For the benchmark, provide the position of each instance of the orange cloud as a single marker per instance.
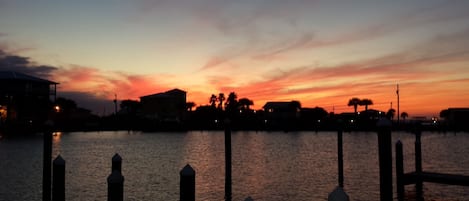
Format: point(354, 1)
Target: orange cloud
point(417, 70)
point(106, 84)
point(313, 85)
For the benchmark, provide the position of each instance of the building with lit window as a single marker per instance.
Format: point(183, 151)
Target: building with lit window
point(25, 101)
point(282, 114)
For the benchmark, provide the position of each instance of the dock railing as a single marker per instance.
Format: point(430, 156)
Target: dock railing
point(419, 176)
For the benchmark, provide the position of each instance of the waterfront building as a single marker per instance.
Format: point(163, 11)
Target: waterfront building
point(25, 101)
point(283, 114)
point(169, 106)
point(456, 118)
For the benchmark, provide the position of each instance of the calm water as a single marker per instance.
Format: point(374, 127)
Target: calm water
point(266, 166)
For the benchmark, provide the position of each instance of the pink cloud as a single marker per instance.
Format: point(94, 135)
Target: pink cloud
point(374, 78)
point(106, 84)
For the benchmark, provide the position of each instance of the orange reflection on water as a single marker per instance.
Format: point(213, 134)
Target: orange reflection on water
point(56, 137)
point(56, 142)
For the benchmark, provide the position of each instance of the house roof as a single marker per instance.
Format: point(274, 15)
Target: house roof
point(12, 75)
point(175, 91)
point(169, 93)
point(371, 111)
point(279, 105)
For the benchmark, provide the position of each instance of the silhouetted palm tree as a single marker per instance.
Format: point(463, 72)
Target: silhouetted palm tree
point(366, 102)
point(404, 115)
point(354, 102)
point(221, 99)
point(231, 103)
point(213, 100)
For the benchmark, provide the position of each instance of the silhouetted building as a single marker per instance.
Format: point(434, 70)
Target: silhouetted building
point(282, 113)
point(25, 100)
point(169, 106)
point(313, 114)
point(457, 118)
point(348, 118)
point(371, 114)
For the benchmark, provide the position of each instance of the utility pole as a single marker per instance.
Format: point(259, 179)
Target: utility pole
point(398, 114)
point(115, 104)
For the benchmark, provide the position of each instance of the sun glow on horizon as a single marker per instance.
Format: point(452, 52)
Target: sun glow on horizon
point(320, 53)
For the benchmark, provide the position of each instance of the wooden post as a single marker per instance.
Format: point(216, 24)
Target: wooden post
point(418, 164)
point(227, 161)
point(418, 151)
point(249, 199)
point(400, 171)
point(116, 163)
point(115, 181)
point(46, 171)
point(340, 157)
point(58, 179)
point(187, 184)
point(385, 159)
point(115, 186)
point(338, 195)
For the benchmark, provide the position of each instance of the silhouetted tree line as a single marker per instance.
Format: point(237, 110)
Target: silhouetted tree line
point(222, 109)
point(66, 115)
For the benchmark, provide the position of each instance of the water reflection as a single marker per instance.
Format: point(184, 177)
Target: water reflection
point(56, 136)
point(252, 170)
point(266, 165)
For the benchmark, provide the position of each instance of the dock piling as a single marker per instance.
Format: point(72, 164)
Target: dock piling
point(400, 171)
point(115, 181)
point(187, 184)
point(227, 161)
point(385, 159)
point(58, 179)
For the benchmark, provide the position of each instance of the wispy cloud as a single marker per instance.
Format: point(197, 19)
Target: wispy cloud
point(301, 42)
point(266, 50)
point(422, 65)
point(260, 45)
point(432, 14)
point(224, 57)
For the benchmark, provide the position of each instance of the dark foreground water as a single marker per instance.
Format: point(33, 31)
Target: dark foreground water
point(266, 165)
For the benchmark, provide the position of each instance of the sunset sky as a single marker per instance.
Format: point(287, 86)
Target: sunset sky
point(320, 52)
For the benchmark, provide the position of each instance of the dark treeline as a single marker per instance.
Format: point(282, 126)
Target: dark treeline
point(221, 109)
